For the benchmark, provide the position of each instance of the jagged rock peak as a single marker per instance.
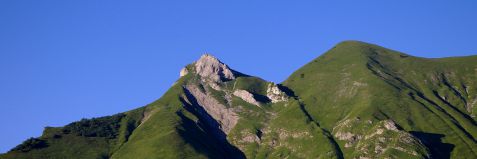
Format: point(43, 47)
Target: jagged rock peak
point(275, 94)
point(210, 67)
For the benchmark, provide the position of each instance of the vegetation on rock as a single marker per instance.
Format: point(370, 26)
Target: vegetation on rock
point(357, 100)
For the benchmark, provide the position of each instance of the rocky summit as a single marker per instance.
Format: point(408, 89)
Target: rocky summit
point(356, 101)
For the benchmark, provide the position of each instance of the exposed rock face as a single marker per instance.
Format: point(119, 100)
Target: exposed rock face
point(226, 117)
point(184, 72)
point(384, 137)
point(349, 137)
point(212, 73)
point(146, 115)
point(375, 139)
point(390, 125)
point(249, 137)
point(209, 67)
point(246, 96)
point(275, 94)
point(471, 105)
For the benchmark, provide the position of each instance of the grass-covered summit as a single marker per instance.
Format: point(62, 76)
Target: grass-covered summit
point(357, 100)
point(359, 84)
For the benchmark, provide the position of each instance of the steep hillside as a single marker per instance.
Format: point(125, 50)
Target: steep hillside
point(216, 112)
point(87, 138)
point(357, 100)
point(359, 84)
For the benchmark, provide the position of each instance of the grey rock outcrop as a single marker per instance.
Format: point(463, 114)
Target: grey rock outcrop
point(246, 96)
point(275, 94)
point(375, 139)
point(226, 117)
point(209, 67)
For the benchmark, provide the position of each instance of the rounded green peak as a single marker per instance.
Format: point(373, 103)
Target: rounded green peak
point(360, 48)
point(353, 42)
point(357, 45)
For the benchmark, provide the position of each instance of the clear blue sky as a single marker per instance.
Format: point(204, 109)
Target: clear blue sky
point(64, 60)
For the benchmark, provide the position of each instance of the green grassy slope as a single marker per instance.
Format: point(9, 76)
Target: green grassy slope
point(356, 100)
point(88, 138)
point(172, 131)
point(371, 83)
point(176, 130)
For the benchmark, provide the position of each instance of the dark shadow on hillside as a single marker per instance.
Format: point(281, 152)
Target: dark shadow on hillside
point(454, 107)
point(236, 73)
point(287, 90)
point(309, 118)
point(261, 98)
point(239, 74)
point(437, 148)
point(206, 135)
point(200, 141)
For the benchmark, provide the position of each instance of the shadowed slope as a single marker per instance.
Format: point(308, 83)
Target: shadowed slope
point(356, 80)
point(356, 100)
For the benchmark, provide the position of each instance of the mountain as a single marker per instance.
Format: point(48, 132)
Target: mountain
point(357, 100)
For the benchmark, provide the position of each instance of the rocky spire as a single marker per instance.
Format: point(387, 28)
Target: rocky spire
point(210, 67)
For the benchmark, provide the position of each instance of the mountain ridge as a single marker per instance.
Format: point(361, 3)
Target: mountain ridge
point(357, 100)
